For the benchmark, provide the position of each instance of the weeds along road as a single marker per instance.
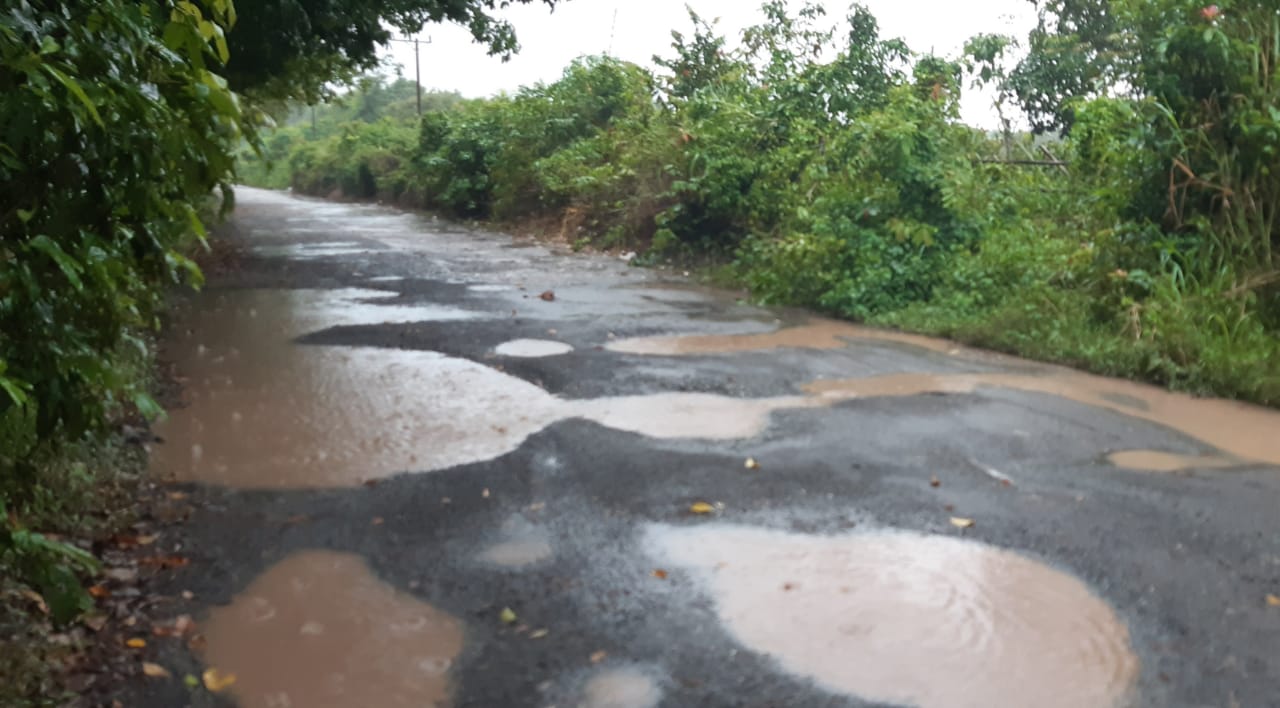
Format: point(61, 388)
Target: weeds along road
point(435, 467)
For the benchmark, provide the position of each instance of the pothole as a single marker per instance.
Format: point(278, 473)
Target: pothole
point(319, 629)
point(1241, 430)
point(532, 348)
point(816, 334)
point(898, 617)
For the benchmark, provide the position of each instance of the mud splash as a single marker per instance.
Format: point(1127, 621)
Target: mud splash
point(623, 687)
point(532, 348)
point(319, 629)
point(1240, 430)
point(263, 412)
point(816, 334)
point(906, 618)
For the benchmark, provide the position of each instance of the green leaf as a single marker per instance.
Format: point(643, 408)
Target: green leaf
point(147, 406)
point(74, 87)
point(66, 263)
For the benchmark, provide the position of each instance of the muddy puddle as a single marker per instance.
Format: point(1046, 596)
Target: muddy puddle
point(319, 629)
point(816, 334)
point(1240, 430)
point(263, 412)
point(532, 348)
point(904, 618)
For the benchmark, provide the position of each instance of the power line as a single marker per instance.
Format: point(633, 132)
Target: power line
point(417, 64)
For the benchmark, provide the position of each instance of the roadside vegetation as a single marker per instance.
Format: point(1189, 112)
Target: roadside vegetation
point(1131, 232)
point(119, 126)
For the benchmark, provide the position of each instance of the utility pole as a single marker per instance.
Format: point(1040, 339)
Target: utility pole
point(417, 65)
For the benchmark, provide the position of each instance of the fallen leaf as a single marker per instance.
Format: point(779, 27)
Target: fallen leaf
point(154, 670)
point(539, 633)
point(372, 482)
point(37, 599)
point(660, 574)
point(701, 508)
point(378, 521)
point(508, 616)
point(188, 595)
point(216, 681)
point(961, 522)
point(751, 464)
point(136, 643)
point(485, 493)
point(935, 482)
point(123, 575)
point(177, 496)
point(99, 591)
point(165, 562)
point(1273, 600)
point(191, 681)
point(788, 587)
point(548, 295)
point(599, 656)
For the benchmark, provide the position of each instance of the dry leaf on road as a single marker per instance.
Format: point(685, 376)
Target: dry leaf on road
point(660, 574)
point(961, 522)
point(216, 681)
point(136, 643)
point(508, 616)
point(701, 508)
point(154, 670)
point(1273, 600)
point(751, 464)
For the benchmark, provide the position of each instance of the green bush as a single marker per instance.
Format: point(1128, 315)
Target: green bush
point(113, 130)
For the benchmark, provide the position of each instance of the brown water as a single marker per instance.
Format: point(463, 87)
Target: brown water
point(1240, 430)
point(624, 687)
point(932, 621)
point(264, 412)
point(319, 630)
point(816, 334)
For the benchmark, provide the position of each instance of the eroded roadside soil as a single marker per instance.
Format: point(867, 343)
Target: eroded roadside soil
point(434, 467)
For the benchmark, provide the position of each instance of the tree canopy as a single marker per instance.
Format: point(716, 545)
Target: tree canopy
point(292, 48)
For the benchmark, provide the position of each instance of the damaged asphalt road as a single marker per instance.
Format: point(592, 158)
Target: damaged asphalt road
point(418, 481)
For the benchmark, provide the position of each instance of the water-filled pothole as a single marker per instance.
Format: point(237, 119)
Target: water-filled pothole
point(532, 348)
point(1238, 429)
point(264, 412)
point(816, 334)
point(907, 618)
point(319, 629)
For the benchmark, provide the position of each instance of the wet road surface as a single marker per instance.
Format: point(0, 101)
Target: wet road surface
point(436, 467)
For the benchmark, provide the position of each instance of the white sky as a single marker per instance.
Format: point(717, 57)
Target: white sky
point(550, 40)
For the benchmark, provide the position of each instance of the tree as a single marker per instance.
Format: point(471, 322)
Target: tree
point(292, 48)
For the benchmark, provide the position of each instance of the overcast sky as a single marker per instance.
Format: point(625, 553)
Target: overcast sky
point(550, 40)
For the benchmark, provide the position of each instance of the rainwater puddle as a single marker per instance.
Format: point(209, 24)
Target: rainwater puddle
point(624, 687)
point(319, 629)
point(263, 412)
point(532, 348)
point(817, 334)
point(306, 251)
point(898, 617)
point(1238, 429)
point(1159, 461)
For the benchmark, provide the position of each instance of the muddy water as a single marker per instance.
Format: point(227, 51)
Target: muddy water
point(320, 630)
point(264, 412)
point(817, 334)
point(931, 621)
point(1240, 430)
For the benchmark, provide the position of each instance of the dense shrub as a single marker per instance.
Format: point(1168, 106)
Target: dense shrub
point(113, 131)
